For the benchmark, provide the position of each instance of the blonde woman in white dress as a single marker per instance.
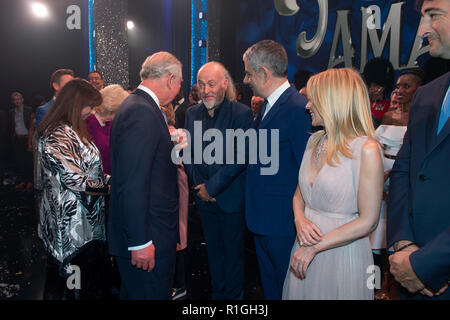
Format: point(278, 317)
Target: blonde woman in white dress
point(338, 198)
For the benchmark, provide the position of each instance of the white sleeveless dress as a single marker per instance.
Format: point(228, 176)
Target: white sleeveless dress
point(342, 272)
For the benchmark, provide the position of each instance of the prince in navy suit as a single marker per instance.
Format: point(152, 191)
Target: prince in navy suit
point(268, 200)
point(143, 218)
point(418, 225)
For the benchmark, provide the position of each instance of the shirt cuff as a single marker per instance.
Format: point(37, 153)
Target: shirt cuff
point(140, 247)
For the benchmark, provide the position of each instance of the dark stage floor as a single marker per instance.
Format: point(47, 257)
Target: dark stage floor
point(23, 260)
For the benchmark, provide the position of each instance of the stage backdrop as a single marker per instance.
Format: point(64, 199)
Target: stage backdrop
point(33, 48)
point(83, 35)
point(321, 34)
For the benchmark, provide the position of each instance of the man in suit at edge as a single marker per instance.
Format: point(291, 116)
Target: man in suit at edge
point(220, 187)
point(180, 105)
point(418, 225)
point(143, 221)
point(58, 80)
point(269, 212)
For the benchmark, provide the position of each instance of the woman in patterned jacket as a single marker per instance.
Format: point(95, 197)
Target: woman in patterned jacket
point(72, 224)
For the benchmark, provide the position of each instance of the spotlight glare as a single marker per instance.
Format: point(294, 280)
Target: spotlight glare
point(130, 25)
point(39, 10)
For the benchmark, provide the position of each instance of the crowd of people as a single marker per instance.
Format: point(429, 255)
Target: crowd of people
point(361, 177)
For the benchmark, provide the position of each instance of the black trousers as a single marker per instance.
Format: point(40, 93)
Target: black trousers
point(23, 159)
point(138, 284)
point(94, 265)
point(179, 280)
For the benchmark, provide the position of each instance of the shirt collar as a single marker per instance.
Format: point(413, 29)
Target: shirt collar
point(274, 96)
point(151, 93)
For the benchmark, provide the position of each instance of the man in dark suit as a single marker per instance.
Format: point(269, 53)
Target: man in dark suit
point(418, 225)
point(268, 202)
point(143, 219)
point(219, 185)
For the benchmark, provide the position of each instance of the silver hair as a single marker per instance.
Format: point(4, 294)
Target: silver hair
point(160, 63)
point(269, 54)
point(231, 89)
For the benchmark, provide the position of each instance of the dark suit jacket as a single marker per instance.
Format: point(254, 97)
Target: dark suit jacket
point(419, 196)
point(180, 114)
point(226, 182)
point(27, 111)
point(144, 189)
point(269, 197)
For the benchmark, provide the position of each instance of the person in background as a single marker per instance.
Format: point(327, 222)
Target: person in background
point(96, 79)
point(405, 88)
point(72, 210)
point(194, 96)
point(390, 134)
point(398, 114)
point(180, 105)
point(256, 105)
point(57, 81)
point(100, 121)
point(379, 77)
point(19, 125)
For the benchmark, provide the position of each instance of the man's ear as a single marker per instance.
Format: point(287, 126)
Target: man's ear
point(225, 82)
point(265, 73)
point(55, 86)
point(169, 81)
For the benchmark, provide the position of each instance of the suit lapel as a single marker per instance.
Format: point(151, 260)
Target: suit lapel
point(276, 107)
point(153, 105)
point(433, 120)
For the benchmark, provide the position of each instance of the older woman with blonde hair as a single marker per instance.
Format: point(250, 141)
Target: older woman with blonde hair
point(338, 197)
point(100, 121)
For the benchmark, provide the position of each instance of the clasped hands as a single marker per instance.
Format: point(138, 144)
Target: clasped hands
point(308, 235)
point(403, 273)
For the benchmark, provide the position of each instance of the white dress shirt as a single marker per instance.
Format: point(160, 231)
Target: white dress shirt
point(274, 96)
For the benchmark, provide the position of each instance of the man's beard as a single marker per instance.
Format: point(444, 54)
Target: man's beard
point(211, 105)
point(216, 101)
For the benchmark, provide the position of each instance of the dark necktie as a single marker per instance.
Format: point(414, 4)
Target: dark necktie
point(261, 114)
